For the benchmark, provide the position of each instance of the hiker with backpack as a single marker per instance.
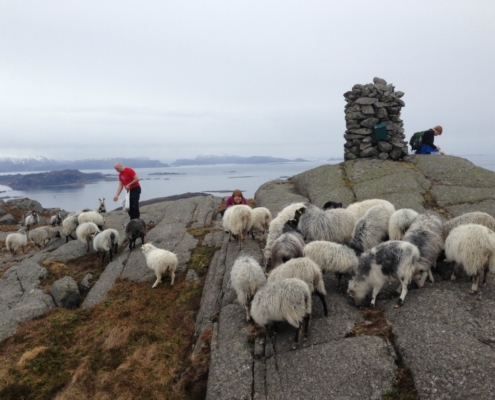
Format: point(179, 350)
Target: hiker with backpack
point(422, 142)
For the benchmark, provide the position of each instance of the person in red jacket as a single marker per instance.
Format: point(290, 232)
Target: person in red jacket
point(129, 181)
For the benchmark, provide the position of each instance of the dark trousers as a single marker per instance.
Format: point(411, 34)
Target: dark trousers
point(134, 195)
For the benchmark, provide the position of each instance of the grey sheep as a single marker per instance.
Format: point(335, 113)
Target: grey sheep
point(392, 259)
point(32, 219)
point(238, 221)
point(473, 246)
point(315, 225)
point(342, 224)
point(261, 220)
point(69, 226)
point(399, 223)
point(277, 225)
point(105, 242)
point(287, 300)
point(134, 229)
point(56, 220)
point(246, 277)
point(305, 269)
point(372, 228)
point(15, 240)
point(91, 216)
point(287, 246)
point(359, 208)
point(426, 233)
point(332, 257)
point(42, 235)
point(475, 217)
point(86, 231)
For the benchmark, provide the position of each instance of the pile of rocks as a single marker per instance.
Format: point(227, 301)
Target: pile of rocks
point(367, 106)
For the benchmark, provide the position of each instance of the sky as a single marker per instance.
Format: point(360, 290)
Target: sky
point(176, 79)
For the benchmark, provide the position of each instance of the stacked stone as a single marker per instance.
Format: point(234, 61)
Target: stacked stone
point(368, 105)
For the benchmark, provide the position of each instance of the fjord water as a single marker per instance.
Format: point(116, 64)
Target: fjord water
point(218, 180)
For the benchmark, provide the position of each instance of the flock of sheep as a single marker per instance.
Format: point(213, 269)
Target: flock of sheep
point(88, 226)
point(369, 241)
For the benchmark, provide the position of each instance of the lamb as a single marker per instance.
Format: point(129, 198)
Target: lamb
point(359, 208)
point(287, 246)
point(106, 241)
point(160, 261)
point(246, 277)
point(238, 221)
point(399, 223)
point(372, 228)
point(342, 224)
point(86, 231)
point(277, 225)
point(332, 257)
point(56, 220)
point(134, 229)
point(261, 220)
point(305, 269)
point(426, 233)
point(287, 300)
point(91, 216)
point(392, 259)
point(42, 235)
point(473, 246)
point(15, 240)
point(329, 205)
point(102, 208)
point(32, 219)
point(69, 226)
point(476, 217)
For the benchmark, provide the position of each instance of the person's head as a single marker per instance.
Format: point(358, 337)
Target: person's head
point(237, 197)
point(438, 130)
point(118, 167)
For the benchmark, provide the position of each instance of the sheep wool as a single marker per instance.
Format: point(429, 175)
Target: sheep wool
point(32, 219)
point(342, 224)
point(359, 208)
point(91, 216)
point(399, 223)
point(69, 226)
point(261, 220)
point(238, 221)
point(160, 261)
point(476, 217)
point(85, 232)
point(105, 242)
point(134, 229)
point(246, 277)
point(15, 240)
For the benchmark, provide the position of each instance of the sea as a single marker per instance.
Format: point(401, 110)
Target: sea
point(218, 180)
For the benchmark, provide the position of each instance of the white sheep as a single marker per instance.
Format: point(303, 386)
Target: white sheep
point(371, 229)
point(426, 233)
point(102, 208)
point(15, 240)
point(473, 246)
point(86, 231)
point(32, 219)
point(305, 269)
point(261, 220)
point(359, 208)
point(238, 221)
point(475, 217)
point(392, 259)
point(134, 229)
point(287, 300)
point(277, 225)
point(332, 257)
point(399, 223)
point(69, 226)
point(160, 261)
point(42, 235)
point(246, 277)
point(342, 224)
point(105, 242)
point(56, 220)
point(91, 216)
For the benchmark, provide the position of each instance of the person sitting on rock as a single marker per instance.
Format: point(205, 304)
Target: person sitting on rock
point(236, 199)
point(428, 138)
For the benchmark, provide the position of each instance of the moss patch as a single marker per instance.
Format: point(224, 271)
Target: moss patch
point(201, 258)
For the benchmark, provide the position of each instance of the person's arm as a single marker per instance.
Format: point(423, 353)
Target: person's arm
point(119, 189)
point(428, 138)
point(134, 180)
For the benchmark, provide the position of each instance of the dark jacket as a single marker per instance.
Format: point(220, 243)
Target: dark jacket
point(429, 137)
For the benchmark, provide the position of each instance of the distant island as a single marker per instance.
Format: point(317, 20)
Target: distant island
point(214, 159)
point(53, 179)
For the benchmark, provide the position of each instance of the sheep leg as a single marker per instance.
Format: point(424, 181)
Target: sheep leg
point(403, 294)
point(23, 252)
point(297, 339)
point(172, 278)
point(323, 302)
point(423, 278)
point(453, 277)
point(307, 320)
point(474, 288)
point(485, 276)
point(339, 280)
point(158, 280)
point(376, 290)
point(430, 276)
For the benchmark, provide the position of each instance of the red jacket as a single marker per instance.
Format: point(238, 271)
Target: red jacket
point(126, 177)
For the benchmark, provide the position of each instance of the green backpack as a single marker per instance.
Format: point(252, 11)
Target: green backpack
point(416, 141)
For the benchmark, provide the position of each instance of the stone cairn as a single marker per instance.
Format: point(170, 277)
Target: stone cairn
point(367, 106)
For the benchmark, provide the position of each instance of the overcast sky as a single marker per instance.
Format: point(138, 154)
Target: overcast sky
point(174, 79)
